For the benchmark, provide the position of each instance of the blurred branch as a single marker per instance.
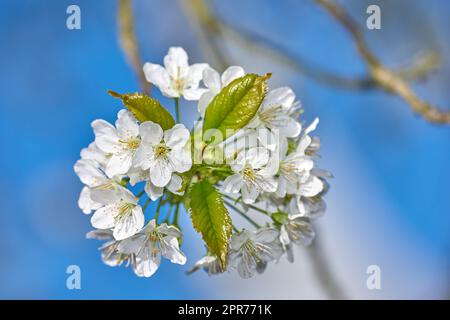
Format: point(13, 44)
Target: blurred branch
point(384, 77)
point(322, 269)
point(128, 41)
point(389, 80)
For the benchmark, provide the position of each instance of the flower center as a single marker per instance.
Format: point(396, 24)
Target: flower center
point(178, 82)
point(249, 174)
point(124, 210)
point(251, 250)
point(270, 114)
point(161, 150)
point(131, 144)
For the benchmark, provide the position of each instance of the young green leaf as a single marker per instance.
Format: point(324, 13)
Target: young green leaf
point(145, 108)
point(236, 104)
point(211, 219)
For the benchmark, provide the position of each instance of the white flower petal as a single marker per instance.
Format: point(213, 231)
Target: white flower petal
point(232, 73)
point(126, 124)
point(151, 133)
point(233, 183)
point(105, 136)
point(86, 204)
point(249, 193)
point(283, 96)
point(147, 264)
point(211, 79)
point(257, 157)
point(204, 101)
point(131, 245)
point(160, 173)
point(119, 164)
point(193, 94)
point(153, 191)
point(311, 188)
point(158, 76)
point(130, 224)
point(171, 251)
point(175, 184)
point(103, 218)
point(176, 137)
point(181, 160)
point(176, 63)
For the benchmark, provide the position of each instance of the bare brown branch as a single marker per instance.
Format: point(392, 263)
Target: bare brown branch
point(384, 77)
point(128, 41)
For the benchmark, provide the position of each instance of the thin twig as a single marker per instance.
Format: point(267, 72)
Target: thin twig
point(128, 42)
point(243, 214)
point(379, 76)
point(323, 271)
point(384, 77)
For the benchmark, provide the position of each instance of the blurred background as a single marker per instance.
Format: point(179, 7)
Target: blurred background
point(389, 201)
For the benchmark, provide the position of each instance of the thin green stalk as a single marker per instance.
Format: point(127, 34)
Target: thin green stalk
point(147, 202)
point(249, 205)
point(243, 214)
point(177, 109)
point(140, 194)
point(175, 217)
point(157, 210)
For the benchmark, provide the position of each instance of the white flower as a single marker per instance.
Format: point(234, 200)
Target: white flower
point(120, 142)
point(210, 264)
point(91, 174)
point(294, 169)
point(120, 211)
point(278, 112)
point(110, 255)
point(295, 230)
point(214, 82)
point(92, 152)
point(255, 171)
point(252, 250)
point(177, 78)
point(163, 153)
point(138, 175)
point(152, 243)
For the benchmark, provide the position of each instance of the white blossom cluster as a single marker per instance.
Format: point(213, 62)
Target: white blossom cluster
point(268, 168)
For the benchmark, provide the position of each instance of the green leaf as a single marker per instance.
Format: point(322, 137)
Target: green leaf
point(236, 104)
point(145, 108)
point(211, 219)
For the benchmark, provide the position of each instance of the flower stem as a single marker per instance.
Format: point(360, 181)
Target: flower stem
point(140, 194)
point(249, 205)
point(157, 210)
point(175, 217)
point(146, 204)
point(243, 214)
point(177, 109)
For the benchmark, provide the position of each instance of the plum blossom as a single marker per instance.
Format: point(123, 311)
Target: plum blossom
point(177, 78)
point(120, 212)
point(150, 244)
point(121, 142)
point(215, 82)
point(251, 251)
point(254, 173)
point(163, 153)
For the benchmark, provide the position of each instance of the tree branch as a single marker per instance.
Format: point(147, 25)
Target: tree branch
point(384, 77)
point(128, 42)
